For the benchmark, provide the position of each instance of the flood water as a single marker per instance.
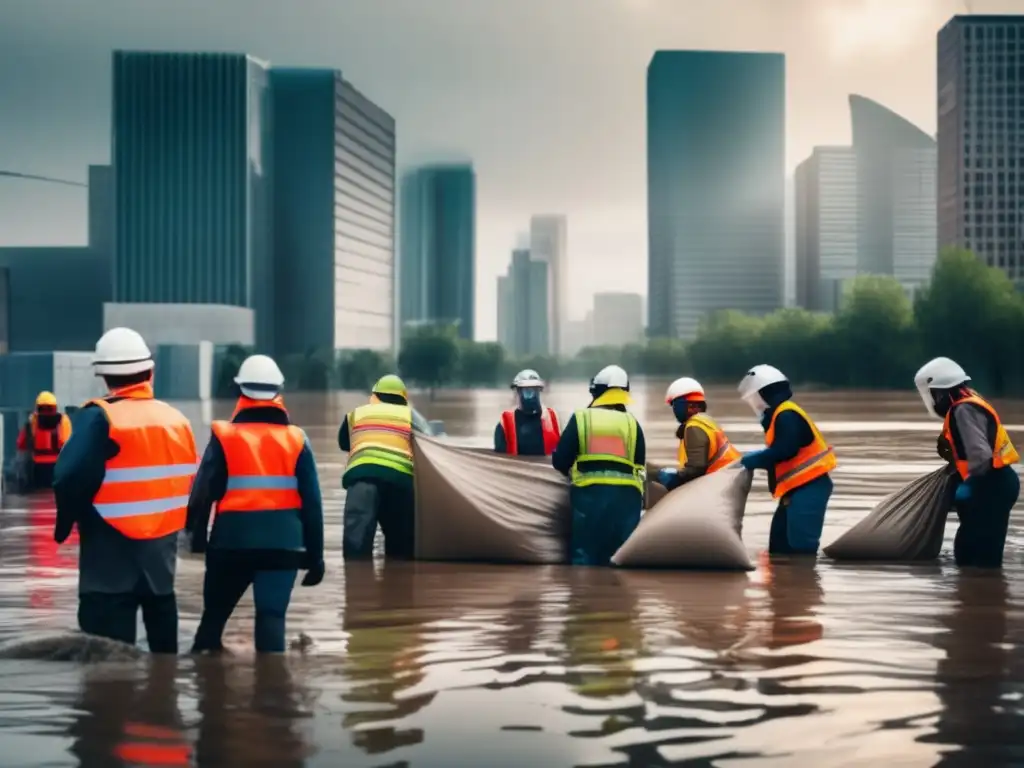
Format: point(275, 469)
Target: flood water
point(448, 665)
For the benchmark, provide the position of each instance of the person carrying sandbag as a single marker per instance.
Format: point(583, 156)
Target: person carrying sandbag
point(797, 459)
point(981, 451)
point(703, 446)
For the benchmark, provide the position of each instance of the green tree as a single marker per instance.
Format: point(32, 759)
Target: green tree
point(480, 363)
point(795, 341)
point(874, 340)
point(726, 343)
point(429, 356)
point(229, 360)
point(359, 369)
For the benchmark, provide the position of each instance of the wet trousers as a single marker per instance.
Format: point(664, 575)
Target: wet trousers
point(984, 519)
point(115, 616)
point(603, 517)
point(223, 586)
point(799, 518)
point(42, 476)
point(393, 506)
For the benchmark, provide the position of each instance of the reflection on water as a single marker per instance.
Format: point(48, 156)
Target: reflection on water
point(434, 664)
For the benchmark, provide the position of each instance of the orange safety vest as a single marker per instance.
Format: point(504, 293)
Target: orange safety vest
point(47, 443)
point(1003, 452)
point(261, 460)
point(549, 428)
point(811, 462)
point(721, 452)
point(145, 491)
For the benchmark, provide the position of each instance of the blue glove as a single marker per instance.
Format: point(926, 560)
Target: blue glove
point(963, 493)
point(666, 476)
point(750, 460)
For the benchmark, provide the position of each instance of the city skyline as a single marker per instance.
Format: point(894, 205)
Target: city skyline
point(595, 178)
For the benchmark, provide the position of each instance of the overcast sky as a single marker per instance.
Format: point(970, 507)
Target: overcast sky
point(546, 96)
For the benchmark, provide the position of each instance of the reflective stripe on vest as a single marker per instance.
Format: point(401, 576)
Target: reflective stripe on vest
point(606, 437)
point(550, 431)
point(721, 451)
point(145, 490)
point(381, 434)
point(1003, 452)
point(811, 462)
point(261, 460)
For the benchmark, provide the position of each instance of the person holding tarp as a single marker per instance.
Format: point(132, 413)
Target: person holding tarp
point(797, 459)
point(603, 452)
point(703, 446)
point(530, 429)
point(379, 475)
point(981, 451)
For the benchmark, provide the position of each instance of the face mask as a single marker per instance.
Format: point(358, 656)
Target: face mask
point(529, 400)
point(681, 410)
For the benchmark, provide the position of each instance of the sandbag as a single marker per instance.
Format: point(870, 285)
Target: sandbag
point(908, 525)
point(699, 525)
point(70, 646)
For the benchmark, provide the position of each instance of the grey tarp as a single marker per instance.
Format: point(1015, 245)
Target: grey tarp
point(908, 525)
point(696, 526)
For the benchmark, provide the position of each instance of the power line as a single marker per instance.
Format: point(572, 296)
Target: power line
point(32, 177)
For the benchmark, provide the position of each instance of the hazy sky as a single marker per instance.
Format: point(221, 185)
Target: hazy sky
point(546, 96)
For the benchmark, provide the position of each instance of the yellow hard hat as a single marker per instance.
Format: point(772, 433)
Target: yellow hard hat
point(390, 385)
point(46, 398)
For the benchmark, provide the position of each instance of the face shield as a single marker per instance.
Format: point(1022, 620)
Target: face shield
point(756, 403)
point(528, 399)
point(927, 398)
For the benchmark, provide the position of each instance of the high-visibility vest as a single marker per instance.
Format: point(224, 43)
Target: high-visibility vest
point(47, 443)
point(607, 449)
point(549, 427)
point(261, 460)
point(721, 452)
point(1003, 452)
point(811, 462)
point(381, 434)
point(146, 487)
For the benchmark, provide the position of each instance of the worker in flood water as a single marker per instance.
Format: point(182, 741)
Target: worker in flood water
point(123, 479)
point(43, 437)
point(603, 451)
point(259, 470)
point(797, 459)
point(983, 456)
point(379, 475)
point(703, 446)
point(530, 429)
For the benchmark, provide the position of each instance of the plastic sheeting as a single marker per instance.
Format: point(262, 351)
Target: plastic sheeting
point(909, 525)
point(699, 525)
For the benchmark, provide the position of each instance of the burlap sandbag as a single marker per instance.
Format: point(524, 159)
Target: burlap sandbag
point(906, 526)
point(699, 525)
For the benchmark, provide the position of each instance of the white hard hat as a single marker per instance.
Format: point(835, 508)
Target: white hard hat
point(940, 373)
point(121, 352)
point(756, 379)
point(259, 378)
point(613, 377)
point(683, 387)
point(527, 378)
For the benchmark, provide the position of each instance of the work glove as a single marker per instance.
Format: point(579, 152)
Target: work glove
point(963, 493)
point(666, 475)
point(750, 460)
point(944, 449)
point(314, 575)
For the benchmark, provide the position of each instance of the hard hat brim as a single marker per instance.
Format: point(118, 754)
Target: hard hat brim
point(123, 368)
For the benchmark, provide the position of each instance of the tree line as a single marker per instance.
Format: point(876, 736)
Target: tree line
point(877, 339)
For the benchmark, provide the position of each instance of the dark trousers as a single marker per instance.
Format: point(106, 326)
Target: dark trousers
point(42, 476)
point(393, 506)
point(603, 517)
point(115, 616)
point(984, 519)
point(799, 518)
point(223, 586)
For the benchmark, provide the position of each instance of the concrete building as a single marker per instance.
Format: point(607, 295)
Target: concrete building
point(618, 319)
point(191, 158)
point(334, 215)
point(715, 186)
point(548, 236)
point(522, 306)
point(437, 245)
point(101, 209)
point(826, 226)
point(506, 316)
point(578, 335)
point(981, 139)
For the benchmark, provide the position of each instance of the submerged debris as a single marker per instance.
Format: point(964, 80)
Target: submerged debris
point(70, 646)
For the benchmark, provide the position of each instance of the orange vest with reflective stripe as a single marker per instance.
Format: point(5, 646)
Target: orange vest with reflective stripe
point(261, 460)
point(811, 462)
point(1003, 452)
point(721, 452)
point(145, 490)
point(46, 443)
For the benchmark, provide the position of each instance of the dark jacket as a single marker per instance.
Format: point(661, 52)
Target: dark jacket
point(529, 434)
point(568, 448)
point(792, 432)
point(272, 539)
point(108, 561)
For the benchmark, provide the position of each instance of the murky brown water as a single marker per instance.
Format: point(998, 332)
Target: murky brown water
point(450, 665)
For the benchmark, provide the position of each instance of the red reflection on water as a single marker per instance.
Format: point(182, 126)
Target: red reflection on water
point(44, 554)
point(153, 745)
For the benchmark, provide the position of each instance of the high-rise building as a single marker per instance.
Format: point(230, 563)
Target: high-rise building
point(548, 234)
point(826, 226)
point(334, 214)
point(437, 245)
point(618, 319)
point(506, 315)
point(191, 135)
point(101, 210)
point(981, 139)
point(522, 306)
point(715, 186)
